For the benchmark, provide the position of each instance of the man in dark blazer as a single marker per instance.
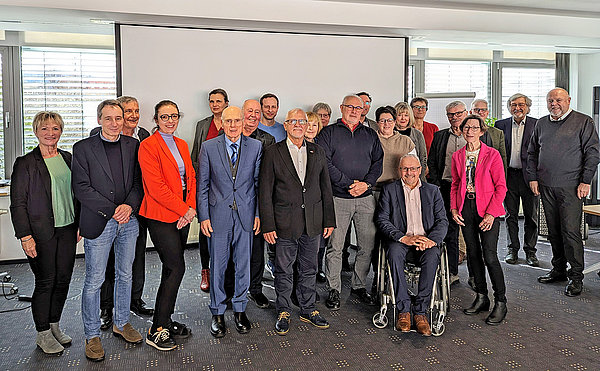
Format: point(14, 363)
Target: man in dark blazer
point(411, 216)
point(228, 214)
point(106, 180)
point(517, 133)
point(131, 119)
point(296, 209)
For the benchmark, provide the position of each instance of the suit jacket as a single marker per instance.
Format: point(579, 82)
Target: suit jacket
point(494, 137)
point(265, 138)
point(506, 126)
point(142, 133)
point(31, 196)
point(200, 134)
point(217, 189)
point(93, 185)
point(162, 183)
point(490, 181)
point(436, 162)
point(390, 216)
point(286, 205)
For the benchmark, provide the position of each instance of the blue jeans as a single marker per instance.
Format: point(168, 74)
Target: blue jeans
point(123, 236)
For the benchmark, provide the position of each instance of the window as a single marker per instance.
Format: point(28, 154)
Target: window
point(69, 81)
point(533, 82)
point(458, 76)
point(411, 82)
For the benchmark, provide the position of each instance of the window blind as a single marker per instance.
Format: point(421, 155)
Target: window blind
point(533, 82)
point(458, 76)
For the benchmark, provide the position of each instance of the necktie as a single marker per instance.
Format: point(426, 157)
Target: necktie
point(234, 153)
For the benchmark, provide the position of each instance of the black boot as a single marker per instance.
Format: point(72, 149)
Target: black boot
point(498, 313)
point(481, 303)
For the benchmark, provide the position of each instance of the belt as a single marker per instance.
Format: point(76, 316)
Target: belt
point(514, 169)
point(470, 195)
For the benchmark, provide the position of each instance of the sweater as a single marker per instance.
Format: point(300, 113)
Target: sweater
point(394, 148)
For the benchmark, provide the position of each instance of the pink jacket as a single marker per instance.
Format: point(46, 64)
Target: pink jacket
point(490, 182)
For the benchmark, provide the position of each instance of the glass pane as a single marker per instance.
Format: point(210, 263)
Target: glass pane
point(533, 82)
point(458, 76)
point(69, 81)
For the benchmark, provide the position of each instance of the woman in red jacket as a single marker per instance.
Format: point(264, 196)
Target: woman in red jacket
point(169, 205)
point(476, 196)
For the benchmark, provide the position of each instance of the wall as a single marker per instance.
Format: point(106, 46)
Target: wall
point(588, 77)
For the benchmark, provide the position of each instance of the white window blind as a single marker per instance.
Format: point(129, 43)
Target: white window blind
point(458, 76)
point(533, 82)
point(69, 81)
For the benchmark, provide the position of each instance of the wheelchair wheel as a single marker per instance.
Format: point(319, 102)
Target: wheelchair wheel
point(380, 320)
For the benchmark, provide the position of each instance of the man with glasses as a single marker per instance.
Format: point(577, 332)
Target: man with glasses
point(420, 224)
point(296, 209)
point(445, 143)
point(493, 137)
point(517, 133)
point(366, 98)
point(355, 161)
point(419, 107)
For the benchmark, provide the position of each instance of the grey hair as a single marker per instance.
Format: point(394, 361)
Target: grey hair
point(321, 105)
point(479, 101)
point(294, 111)
point(514, 97)
point(407, 156)
point(352, 96)
point(455, 103)
point(124, 99)
point(108, 102)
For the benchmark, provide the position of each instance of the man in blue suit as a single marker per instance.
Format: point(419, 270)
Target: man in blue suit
point(517, 133)
point(411, 216)
point(227, 187)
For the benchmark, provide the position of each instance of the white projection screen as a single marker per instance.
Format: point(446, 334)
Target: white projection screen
point(184, 64)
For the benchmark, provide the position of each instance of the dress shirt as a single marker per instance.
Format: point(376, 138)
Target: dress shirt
point(298, 158)
point(412, 202)
point(516, 140)
point(228, 143)
point(561, 117)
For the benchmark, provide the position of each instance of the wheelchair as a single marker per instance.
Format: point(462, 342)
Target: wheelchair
point(440, 297)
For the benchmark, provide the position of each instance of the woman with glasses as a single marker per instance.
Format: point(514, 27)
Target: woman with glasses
point(323, 111)
point(404, 124)
point(169, 205)
point(476, 196)
point(419, 108)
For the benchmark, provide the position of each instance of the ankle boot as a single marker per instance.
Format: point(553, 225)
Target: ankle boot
point(60, 336)
point(481, 303)
point(49, 345)
point(498, 313)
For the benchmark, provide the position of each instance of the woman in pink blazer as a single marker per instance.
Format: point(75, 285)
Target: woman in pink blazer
point(476, 196)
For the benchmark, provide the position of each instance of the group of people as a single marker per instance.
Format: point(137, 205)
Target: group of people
point(294, 188)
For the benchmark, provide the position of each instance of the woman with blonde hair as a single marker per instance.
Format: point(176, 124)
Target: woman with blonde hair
point(405, 125)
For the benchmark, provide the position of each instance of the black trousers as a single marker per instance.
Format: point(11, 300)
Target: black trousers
point(482, 251)
point(563, 210)
point(138, 270)
point(451, 238)
point(169, 243)
point(257, 264)
point(52, 269)
point(204, 253)
point(519, 191)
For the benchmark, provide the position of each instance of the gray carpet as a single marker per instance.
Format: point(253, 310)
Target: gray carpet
point(544, 330)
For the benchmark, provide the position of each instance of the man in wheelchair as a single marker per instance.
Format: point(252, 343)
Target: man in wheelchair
point(411, 215)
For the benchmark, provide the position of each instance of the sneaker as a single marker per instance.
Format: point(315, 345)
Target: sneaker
point(270, 268)
point(315, 319)
point(282, 326)
point(93, 350)
point(179, 330)
point(128, 333)
point(161, 339)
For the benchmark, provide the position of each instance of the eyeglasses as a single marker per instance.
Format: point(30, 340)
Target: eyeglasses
point(321, 115)
point(173, 117)
point(472, 128)
point(410, 169)
point(455, 114)
point(352, 108)
point(480, 110)
point(384, 121)
point(419, 107)
point(294, 122)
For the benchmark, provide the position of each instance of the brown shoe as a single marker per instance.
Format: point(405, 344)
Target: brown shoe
point(403, 323)
point(128, 333)
point(204, 284)
point(93, 350)
point(422, 325)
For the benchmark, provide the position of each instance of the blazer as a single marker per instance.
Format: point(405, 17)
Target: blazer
point(506, 126)
point(390, 216)
point(94, 187)
point(217, 190)
point(200, 134)
point(436, 162)
point(286, 205)
point(142, 133)
point(490, 181)
point(31, 196)
point(494, 137)
point(163, 192)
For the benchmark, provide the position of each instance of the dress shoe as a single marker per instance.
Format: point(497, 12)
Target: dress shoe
point(553, 276)
point(217, 326)
point(481, 303)
point(139, 307)
point(260, 299)
point(282, 326)
point(94, 350)
point(422, 325)
point(242, 324)
point(106, 319)
point(498, 313)
point(315, 319)
point(403, 322)
point(363, 296)
point(333, 301)
point(321, 277)
point(574, 288)
point(128, 333)
point(512, 257)
point(204, 284)
point(531, 259)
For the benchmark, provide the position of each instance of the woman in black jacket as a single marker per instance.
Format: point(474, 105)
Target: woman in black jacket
point(44, 218)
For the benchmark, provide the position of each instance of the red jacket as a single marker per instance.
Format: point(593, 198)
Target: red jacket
point(490, 181)
point(162, 183)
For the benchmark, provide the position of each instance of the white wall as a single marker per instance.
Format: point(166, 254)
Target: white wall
point(588, 77)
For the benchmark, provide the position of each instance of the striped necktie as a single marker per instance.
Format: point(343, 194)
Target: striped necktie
point(234, 153)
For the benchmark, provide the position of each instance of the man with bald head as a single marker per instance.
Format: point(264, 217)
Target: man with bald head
point(562, 162)
point(227, 189)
